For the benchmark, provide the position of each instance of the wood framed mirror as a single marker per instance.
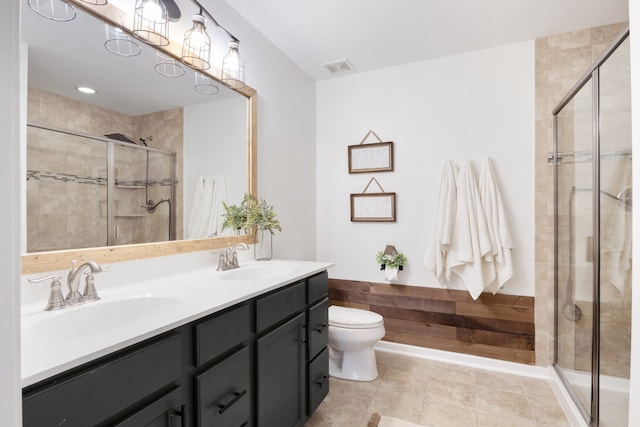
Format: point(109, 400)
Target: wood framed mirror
point(40, 261)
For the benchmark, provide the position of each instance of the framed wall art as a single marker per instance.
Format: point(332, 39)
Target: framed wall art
point(371, 157)
point(373, 207)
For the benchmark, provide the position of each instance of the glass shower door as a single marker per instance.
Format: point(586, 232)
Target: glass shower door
point(575, 284)
point(615, 237)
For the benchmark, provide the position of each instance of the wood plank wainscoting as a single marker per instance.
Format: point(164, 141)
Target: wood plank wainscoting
point(495, 326)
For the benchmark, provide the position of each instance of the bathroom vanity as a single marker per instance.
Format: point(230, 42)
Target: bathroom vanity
point(257, 357)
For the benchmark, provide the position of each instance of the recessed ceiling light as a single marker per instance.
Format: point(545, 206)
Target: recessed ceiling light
point(86, 90)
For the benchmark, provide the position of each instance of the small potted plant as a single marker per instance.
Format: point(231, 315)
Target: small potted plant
point(254, 213)
point(391, 262)
point(235, 217)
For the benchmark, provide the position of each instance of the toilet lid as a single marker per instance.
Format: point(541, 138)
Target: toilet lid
point(353, 318)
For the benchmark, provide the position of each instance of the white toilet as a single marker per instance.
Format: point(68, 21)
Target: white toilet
point(352, 335)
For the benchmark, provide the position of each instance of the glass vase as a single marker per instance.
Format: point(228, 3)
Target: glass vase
point(263, 247)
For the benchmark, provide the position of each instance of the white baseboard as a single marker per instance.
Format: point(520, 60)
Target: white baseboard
point(464, 359)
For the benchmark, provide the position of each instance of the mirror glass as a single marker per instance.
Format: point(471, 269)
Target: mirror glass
point(174, 147)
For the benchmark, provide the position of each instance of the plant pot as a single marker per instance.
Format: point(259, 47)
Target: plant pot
point(263, 245)
point(391, 273)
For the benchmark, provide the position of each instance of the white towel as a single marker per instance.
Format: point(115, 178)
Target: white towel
point(497, 225)
point(615, 238)
point(220, 195)
point(435, 257)
point(201, 209)
point(470, 255)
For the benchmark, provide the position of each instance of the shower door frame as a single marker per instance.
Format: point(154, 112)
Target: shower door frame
point(110, 162)
point(592, 74)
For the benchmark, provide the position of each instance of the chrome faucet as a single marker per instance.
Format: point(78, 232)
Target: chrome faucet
point(228, 257)
point(57, 301)
point(73, 282)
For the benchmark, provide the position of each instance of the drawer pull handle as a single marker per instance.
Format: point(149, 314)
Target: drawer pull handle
point(320, 329)
point(182, 413)
point(323, 380)
point(236, 397)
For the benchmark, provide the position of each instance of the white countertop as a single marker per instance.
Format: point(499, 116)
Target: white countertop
point(128, 313)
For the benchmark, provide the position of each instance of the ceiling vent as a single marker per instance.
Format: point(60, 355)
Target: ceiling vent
point(339, 66)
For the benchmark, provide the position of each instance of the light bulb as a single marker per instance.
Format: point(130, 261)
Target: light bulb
point(232, 59)
point(153, 10)
point(198, 37)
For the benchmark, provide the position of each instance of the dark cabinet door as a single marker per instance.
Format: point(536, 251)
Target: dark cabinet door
point(281, 376)
point(167, 411)
point(318, 328)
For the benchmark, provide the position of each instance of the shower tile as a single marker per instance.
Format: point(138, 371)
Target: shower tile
point(565, 41)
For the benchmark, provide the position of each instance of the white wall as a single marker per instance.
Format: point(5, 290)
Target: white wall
point(215, 133)
point(10, 395)
point(634, 392)
point(286, 135)
point(466, 106)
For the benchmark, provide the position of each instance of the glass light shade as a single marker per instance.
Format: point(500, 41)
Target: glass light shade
point(95, 2)
point(233, 67)
point(196, 48)
point(167, 66)
point(56, 10)
point(151, 22)
point(119, 42)
point(205, 85)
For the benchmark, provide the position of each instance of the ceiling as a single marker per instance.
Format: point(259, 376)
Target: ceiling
point(374, 34)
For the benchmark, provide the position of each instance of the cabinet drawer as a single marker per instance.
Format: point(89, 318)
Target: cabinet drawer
point(279, 305)
point(318, 287)
point(318, 327)
point(162, 412)
point(224, 392)
point(222, 332)
point(318, 380)
point(89, 397)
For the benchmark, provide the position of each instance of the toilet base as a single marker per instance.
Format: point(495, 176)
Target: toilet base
point(356, 365)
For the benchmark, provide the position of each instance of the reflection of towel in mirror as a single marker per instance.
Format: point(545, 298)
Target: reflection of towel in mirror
point(470, 256)
point(497, 226)
point(435, 257)
point(207, 210)
point(216, 217)
point(200, 209)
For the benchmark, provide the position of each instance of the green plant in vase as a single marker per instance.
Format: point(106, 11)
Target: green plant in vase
point(262, 215)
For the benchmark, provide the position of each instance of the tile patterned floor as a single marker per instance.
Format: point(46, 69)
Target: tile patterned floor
point(438, 394)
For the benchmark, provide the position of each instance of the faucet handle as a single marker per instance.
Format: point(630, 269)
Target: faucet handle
point(90, 293)
point(56, 299)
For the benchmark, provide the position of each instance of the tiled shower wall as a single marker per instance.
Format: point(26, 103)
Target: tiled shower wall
point(78, 219)
point(560, 60)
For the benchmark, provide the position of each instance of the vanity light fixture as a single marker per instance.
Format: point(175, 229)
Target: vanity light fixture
point(233, 66)
point(167, 66)
point(205, 85)
point(119, 42)
point(86, 90)
point(151, 22)
point(196, 48)
point(56, 10)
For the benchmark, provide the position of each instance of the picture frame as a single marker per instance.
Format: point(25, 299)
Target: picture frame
point(373, 207)
point(375, 157)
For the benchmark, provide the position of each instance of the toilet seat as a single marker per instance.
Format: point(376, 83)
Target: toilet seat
point(353, 318)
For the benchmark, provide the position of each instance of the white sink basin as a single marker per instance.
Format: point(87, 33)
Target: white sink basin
point(264, 270)
point(96, 318)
